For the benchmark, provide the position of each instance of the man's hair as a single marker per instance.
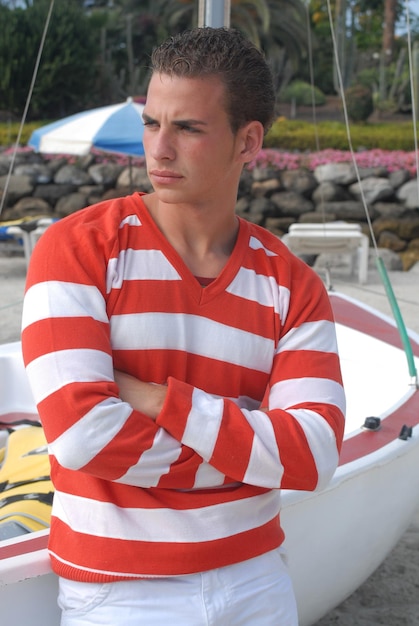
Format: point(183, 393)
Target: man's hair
point(225, 53)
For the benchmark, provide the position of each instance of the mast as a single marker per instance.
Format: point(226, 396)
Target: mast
point(214, 13)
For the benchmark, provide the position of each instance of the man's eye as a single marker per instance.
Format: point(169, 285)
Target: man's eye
point(190, 129)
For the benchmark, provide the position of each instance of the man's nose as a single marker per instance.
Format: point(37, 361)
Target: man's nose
point(162, 145)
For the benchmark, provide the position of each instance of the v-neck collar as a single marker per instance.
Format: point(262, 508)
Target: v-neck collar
point(202, 295)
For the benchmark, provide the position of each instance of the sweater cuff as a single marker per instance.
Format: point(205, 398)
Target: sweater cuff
point(176, 408)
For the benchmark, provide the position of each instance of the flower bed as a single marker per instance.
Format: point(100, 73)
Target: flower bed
point(392, 160)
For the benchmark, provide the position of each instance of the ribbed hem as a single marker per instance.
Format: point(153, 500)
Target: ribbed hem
point(179, 560)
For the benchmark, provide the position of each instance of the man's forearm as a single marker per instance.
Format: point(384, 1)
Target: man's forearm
point(145, 397)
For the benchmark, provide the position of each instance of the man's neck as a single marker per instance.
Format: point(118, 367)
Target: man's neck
point(202, 237)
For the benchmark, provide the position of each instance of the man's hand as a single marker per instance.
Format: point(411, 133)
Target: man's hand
point(145, 397)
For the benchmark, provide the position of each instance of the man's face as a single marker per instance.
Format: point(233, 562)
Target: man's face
point(191, 152)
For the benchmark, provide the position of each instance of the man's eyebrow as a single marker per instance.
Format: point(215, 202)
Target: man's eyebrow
point(147, 118)
point(188, 122)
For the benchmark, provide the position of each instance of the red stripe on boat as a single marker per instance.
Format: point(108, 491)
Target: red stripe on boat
point(29, 544)
point(368, 441)
point(350, 314)
point(353, 316)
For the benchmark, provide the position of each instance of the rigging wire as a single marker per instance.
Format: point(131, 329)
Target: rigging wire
point(25, 112)
point(413, 91)
point(379, 261)
point(347, 126)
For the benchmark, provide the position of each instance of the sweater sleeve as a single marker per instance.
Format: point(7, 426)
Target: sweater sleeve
point(68, 356)
point(295, 442)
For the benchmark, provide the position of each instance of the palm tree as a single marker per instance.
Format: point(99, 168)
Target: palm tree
point(286, 41)
point(278, 27)
point(130, 29)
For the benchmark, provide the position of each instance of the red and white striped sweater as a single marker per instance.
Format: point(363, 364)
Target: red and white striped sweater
point(199, 488)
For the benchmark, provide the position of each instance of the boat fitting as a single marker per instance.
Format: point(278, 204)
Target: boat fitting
point(405, 433)
point(372, 423)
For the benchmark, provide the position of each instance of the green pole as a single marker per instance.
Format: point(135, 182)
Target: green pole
point(399, 320)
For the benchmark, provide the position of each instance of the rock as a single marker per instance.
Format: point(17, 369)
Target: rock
point(346, 210)
point(391, 260)
point(246, 182)
point(105, 174)
point(57, 163)
point(139, 176)
point(260, 206)
point(373, 189)
point(52, 193)
point(265, 187)
point(70, 204)
point(414, 244)
point(39, 173)
point(291, 203)
point(339, 173)
point(118, 192)
point(278, 225)
point(381, 224)
point(409, 227)
point(275, 199)
point(409, 258)
point(86, 161)
point(19, 186)
point(242, 205)
point(31, 206)
point(301, 181)
point(397, 178)
point(256, 218)
point(409, 194)
point(376, 172)
point(390, 240)
point(263, 173)
point(389, 209)
point(92, 190)
point(317, 217)
point(329, 191)
point(72, 175)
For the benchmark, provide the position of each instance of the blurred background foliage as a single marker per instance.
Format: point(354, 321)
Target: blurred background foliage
point(97, 52)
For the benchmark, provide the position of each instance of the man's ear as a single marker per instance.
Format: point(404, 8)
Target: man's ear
point(252, 135)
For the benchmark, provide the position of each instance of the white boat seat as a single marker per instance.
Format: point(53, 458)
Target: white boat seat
point(331, 238)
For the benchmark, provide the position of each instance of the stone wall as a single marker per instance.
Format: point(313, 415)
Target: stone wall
point(275, 199)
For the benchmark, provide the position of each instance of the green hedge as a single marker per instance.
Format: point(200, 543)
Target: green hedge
point(296, 135)
point(293, 135)
point(9, 132)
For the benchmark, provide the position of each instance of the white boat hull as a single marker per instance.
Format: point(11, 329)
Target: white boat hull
point(336, 538)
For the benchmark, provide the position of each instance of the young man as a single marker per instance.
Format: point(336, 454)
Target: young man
point(185, 368)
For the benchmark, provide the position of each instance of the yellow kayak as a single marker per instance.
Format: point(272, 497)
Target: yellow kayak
point(26, 489)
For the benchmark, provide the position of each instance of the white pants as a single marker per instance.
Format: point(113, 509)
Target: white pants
point(257, 592)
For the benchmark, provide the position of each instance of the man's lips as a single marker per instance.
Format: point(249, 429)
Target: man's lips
point(165, 175)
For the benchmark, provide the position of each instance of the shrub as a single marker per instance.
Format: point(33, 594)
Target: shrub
point(9, 132)
point(304, 136)
point(359, 102)
point(302, 93)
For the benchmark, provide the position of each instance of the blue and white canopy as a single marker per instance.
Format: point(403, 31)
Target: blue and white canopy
point(116, 128)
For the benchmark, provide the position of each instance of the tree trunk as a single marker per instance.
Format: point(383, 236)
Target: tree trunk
point(388, 30)
point(340, 34)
